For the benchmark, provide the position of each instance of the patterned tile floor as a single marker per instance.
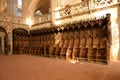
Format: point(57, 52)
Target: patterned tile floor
point(27, 67)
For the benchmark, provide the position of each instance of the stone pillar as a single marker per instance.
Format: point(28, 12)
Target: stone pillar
point(24, 7)
point(2, 36)
point(2, 5)
point(10, 43)
point(53, 4)
point(3, 47)
point(118, 21)
point(0, 45)
point(109, 38)
point(10, 6)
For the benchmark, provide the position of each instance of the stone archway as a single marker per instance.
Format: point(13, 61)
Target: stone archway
point(3, 41)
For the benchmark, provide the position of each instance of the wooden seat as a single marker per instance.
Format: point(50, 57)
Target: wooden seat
point(102, 55)
point(83, 55)
point(63, 52)
point(92, 54)
point(76, 52)
point(57, 52)
point(46, 51)
point(52, 51)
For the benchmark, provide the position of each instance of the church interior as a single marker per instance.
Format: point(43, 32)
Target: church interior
point(61, 39)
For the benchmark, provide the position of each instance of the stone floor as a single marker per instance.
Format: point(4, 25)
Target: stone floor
point(26, 67)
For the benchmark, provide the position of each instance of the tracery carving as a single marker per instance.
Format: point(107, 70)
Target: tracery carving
point(102, 2)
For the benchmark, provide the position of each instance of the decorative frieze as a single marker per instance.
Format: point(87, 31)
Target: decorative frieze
point(85, 6)
point(80, 7)
point(101, 3)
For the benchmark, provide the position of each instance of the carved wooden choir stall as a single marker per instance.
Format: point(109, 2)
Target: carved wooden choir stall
point(80, 40)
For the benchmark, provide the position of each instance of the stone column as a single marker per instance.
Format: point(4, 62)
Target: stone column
point(0, 45)
point(118, 22)
point(3, 47)
point(2, 4)
point(53, 4)
point(10, 45)
point(10, 6)
point(24, 7)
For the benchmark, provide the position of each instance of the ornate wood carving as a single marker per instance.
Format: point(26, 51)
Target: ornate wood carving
point(86, 39)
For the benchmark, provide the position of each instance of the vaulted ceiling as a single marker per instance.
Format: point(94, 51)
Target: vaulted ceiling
point(43, 6)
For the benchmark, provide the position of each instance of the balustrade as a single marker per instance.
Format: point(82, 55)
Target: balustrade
point(101, 3)
point(84, 6)
point(80, 7)
point(45, 18)
point(5, 17)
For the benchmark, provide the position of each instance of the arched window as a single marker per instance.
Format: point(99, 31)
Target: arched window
point(19, 4)
point(38, 13)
